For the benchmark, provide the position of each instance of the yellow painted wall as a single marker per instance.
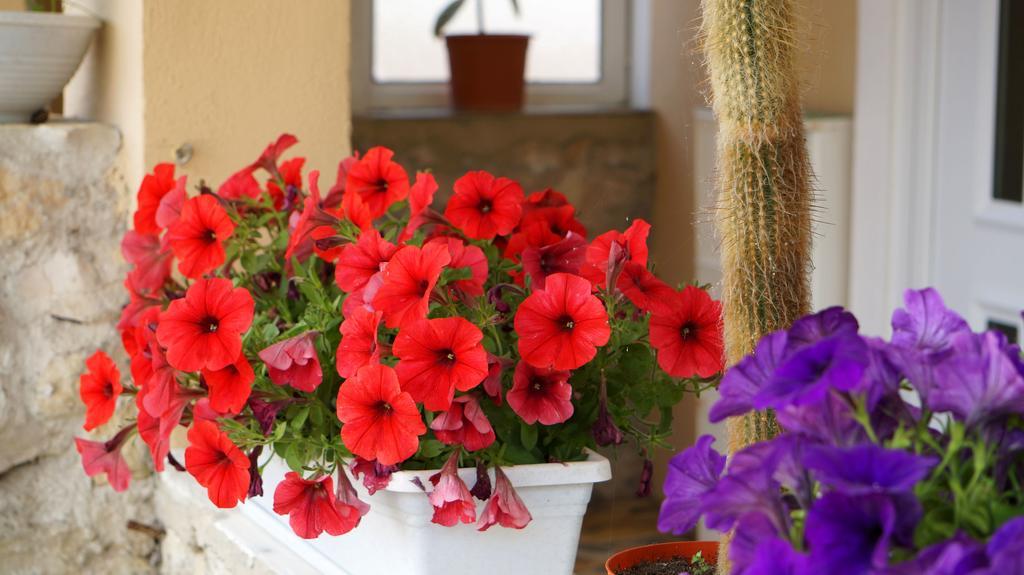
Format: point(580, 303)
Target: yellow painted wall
point(226, 77)
point(229, 76)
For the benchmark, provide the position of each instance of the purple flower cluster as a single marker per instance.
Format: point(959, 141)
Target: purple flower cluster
point(898, 457)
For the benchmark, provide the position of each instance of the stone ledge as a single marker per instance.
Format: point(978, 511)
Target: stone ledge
point(603, 160)
point(63, 150)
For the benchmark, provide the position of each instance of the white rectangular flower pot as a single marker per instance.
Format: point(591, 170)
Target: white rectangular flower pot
point(397, 537)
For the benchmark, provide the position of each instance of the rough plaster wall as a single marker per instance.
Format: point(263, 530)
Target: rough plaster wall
point(61, 219)
point(229, 76)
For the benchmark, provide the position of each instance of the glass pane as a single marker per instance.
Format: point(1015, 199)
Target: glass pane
point(1009, 161)
point(565, 38)
point(1007, 329)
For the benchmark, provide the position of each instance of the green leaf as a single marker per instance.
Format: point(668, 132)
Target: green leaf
point(430, 448)
point(515, 7)
point(528, 435)
point(298, 418)
point(446, 15)
point(295, 456)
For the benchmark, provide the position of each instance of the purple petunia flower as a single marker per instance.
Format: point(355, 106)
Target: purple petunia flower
point(981, 381)
point(851, 535)
point(744, 380)
point(960, 555)
point(750, 531)
point(1006, 548)
point(774, 556)
point(690, 475)
point(883, 375)
point(926, 324)
point(867, 468)
point(749, 486)
point(805, 378)
point(830, 421)
point(829, 322)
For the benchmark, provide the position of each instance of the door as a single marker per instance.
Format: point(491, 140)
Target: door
point(978, 257)
point(939, 159)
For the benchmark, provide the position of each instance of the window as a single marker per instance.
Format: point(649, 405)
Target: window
point(1009, 154)
point(577, 54)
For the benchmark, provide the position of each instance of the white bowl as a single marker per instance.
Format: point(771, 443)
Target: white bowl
point(39, 52)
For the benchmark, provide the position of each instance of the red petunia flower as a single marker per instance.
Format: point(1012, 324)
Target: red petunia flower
point(504, 508)
point(542, 395)
point(291, 176)
point(633, 242)
point(154, 187)
point(688, 334)
point(644, 289)
point(203, 330)
point(99, 388)
point(169, 210)
point(451, 498)
point(534, 236)
point(294, 362)
point(312, 506)
point(464, 424)
point(492, 383)
point(230, 386)
point(363, 299)
point(268, 158)
point(302, 225)
point(150, 257)
point(469, 257)
point(409, 279)
point(360, 261)
point(375, 475)
point(565, 256)
point(562, 325)
point(358, 345)
point(438, 356)
point(217, 464)
point(553, 210)
point(336, 195)
point(421, 195)
point(156, 431)
point(375, 182)
point(380, 421)
point(203, 411)
point(197, 238)
point(140, 301)
point(484, 206)
point(105, 457)
point(241, 184)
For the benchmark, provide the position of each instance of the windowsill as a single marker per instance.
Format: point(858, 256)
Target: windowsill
point(448, 113)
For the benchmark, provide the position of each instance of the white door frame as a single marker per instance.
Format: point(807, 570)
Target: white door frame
point(923, 211)
point(894, 154)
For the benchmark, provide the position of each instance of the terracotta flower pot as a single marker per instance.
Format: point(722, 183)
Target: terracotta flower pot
point(637, 555)
point(487, 71)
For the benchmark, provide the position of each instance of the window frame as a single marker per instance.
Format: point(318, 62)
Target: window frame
point(612, 90)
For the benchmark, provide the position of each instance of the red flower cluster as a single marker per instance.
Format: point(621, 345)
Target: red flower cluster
point(365, 328)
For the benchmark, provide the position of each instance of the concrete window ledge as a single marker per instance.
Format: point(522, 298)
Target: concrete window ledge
point(203, 539)
point(602, 159)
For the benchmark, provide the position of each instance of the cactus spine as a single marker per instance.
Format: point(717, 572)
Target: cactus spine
point(765, 198)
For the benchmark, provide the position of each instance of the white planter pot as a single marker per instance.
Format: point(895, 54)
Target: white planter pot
point(39, 53)
point(397, 537)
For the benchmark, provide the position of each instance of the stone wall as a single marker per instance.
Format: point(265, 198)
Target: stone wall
point(62, 213)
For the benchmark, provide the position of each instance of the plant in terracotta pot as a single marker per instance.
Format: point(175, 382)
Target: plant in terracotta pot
point(899, 456)
point(487, 70)
point(343, 347)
